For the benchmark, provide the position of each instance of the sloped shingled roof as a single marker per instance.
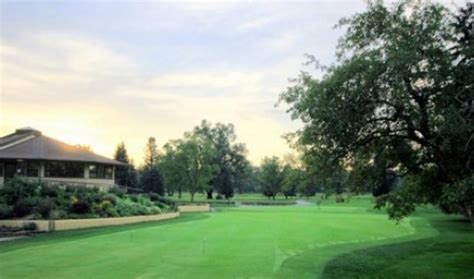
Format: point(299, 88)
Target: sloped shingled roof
point(28, 143)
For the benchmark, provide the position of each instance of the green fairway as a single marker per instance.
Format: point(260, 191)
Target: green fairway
point(334, 241)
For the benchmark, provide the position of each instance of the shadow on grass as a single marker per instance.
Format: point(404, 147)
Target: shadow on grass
point(450, 254)
point(64, 236)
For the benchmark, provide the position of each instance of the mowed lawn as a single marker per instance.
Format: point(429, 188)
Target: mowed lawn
point(348, 240)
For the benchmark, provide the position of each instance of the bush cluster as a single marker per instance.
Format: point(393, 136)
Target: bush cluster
point(24, 199)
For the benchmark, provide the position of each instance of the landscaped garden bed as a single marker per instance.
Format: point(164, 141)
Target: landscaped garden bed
point(21, 199)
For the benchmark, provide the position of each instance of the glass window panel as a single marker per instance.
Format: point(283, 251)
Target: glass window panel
point(21, 167)
point(100, 171)
point(32, 169)
point(64, 169)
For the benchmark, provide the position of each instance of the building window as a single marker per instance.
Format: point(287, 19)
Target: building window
point(21, 167)
point(27, 168)
point(64, 169)
point(32, 169)
point(100, 171)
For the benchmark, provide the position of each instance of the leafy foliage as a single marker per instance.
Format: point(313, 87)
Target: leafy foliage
point(228, 157)
point(124, 175)
point(402, 88)
point(151, 179)
point(39, 200)
point(271, 176)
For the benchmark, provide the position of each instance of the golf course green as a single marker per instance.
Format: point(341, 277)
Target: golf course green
point(349, 240)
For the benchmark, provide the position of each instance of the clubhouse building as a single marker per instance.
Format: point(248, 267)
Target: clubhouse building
point(29, 154)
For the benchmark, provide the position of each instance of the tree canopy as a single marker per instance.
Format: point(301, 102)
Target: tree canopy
point(271, 176)
point(151, 179)
point(401, 96)
point(228, 157)
point(124, 175)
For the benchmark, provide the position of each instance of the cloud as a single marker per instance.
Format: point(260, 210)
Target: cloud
point(208, 79)
point(82, 91)
point(50, 64)
point(83, 56)
point(256, 23)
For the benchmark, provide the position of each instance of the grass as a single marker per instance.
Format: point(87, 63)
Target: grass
point(348, 240)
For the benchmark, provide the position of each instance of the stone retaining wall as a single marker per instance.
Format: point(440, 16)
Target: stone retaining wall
point(194, 208)
point(72, 224)
point(41, 225)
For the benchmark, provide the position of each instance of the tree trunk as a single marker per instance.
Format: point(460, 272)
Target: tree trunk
point(192, 196)
point(470, 214)
point(209, 194)
point(179, 194)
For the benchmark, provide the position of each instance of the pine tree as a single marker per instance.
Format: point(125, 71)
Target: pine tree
point(122, 172)
point(151, 153)
point(151, 179)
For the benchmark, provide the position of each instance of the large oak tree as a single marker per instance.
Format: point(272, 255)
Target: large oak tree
point(401, 90)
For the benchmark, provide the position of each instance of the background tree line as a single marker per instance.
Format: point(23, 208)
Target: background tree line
point(208, 159)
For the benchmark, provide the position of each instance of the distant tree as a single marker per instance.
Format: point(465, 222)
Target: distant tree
point(172, 166)
point(271, 177)
point(249, 180)
point(151, 181)
point(195, 153)
point(151, 153)
point(132, 175)
point(292, 179)
point(229, 157)
point(308, 186)
point(122, 172)
point(150, 178)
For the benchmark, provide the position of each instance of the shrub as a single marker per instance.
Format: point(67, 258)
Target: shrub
point(45, 206)
point(319, 201)
point(155, 210)
point(125, 209)
point(219, 197)
point(15, 189)
point(111, 198)
point(160, 201)
point(6, 211)
point(118, 191)
point(133, 198)
point(25, 206)
point(81, 207)
point(30, 227)
point(58, 214)
point(22, 198)
point(161, 205)
point(111, 212)
point(51, 191)
point(105, 204)
point(339, 199)
point(155, 197)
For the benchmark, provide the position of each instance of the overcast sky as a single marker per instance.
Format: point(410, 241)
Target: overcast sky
point(99, 72)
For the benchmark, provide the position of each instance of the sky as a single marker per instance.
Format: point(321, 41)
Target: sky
point(101, 72)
